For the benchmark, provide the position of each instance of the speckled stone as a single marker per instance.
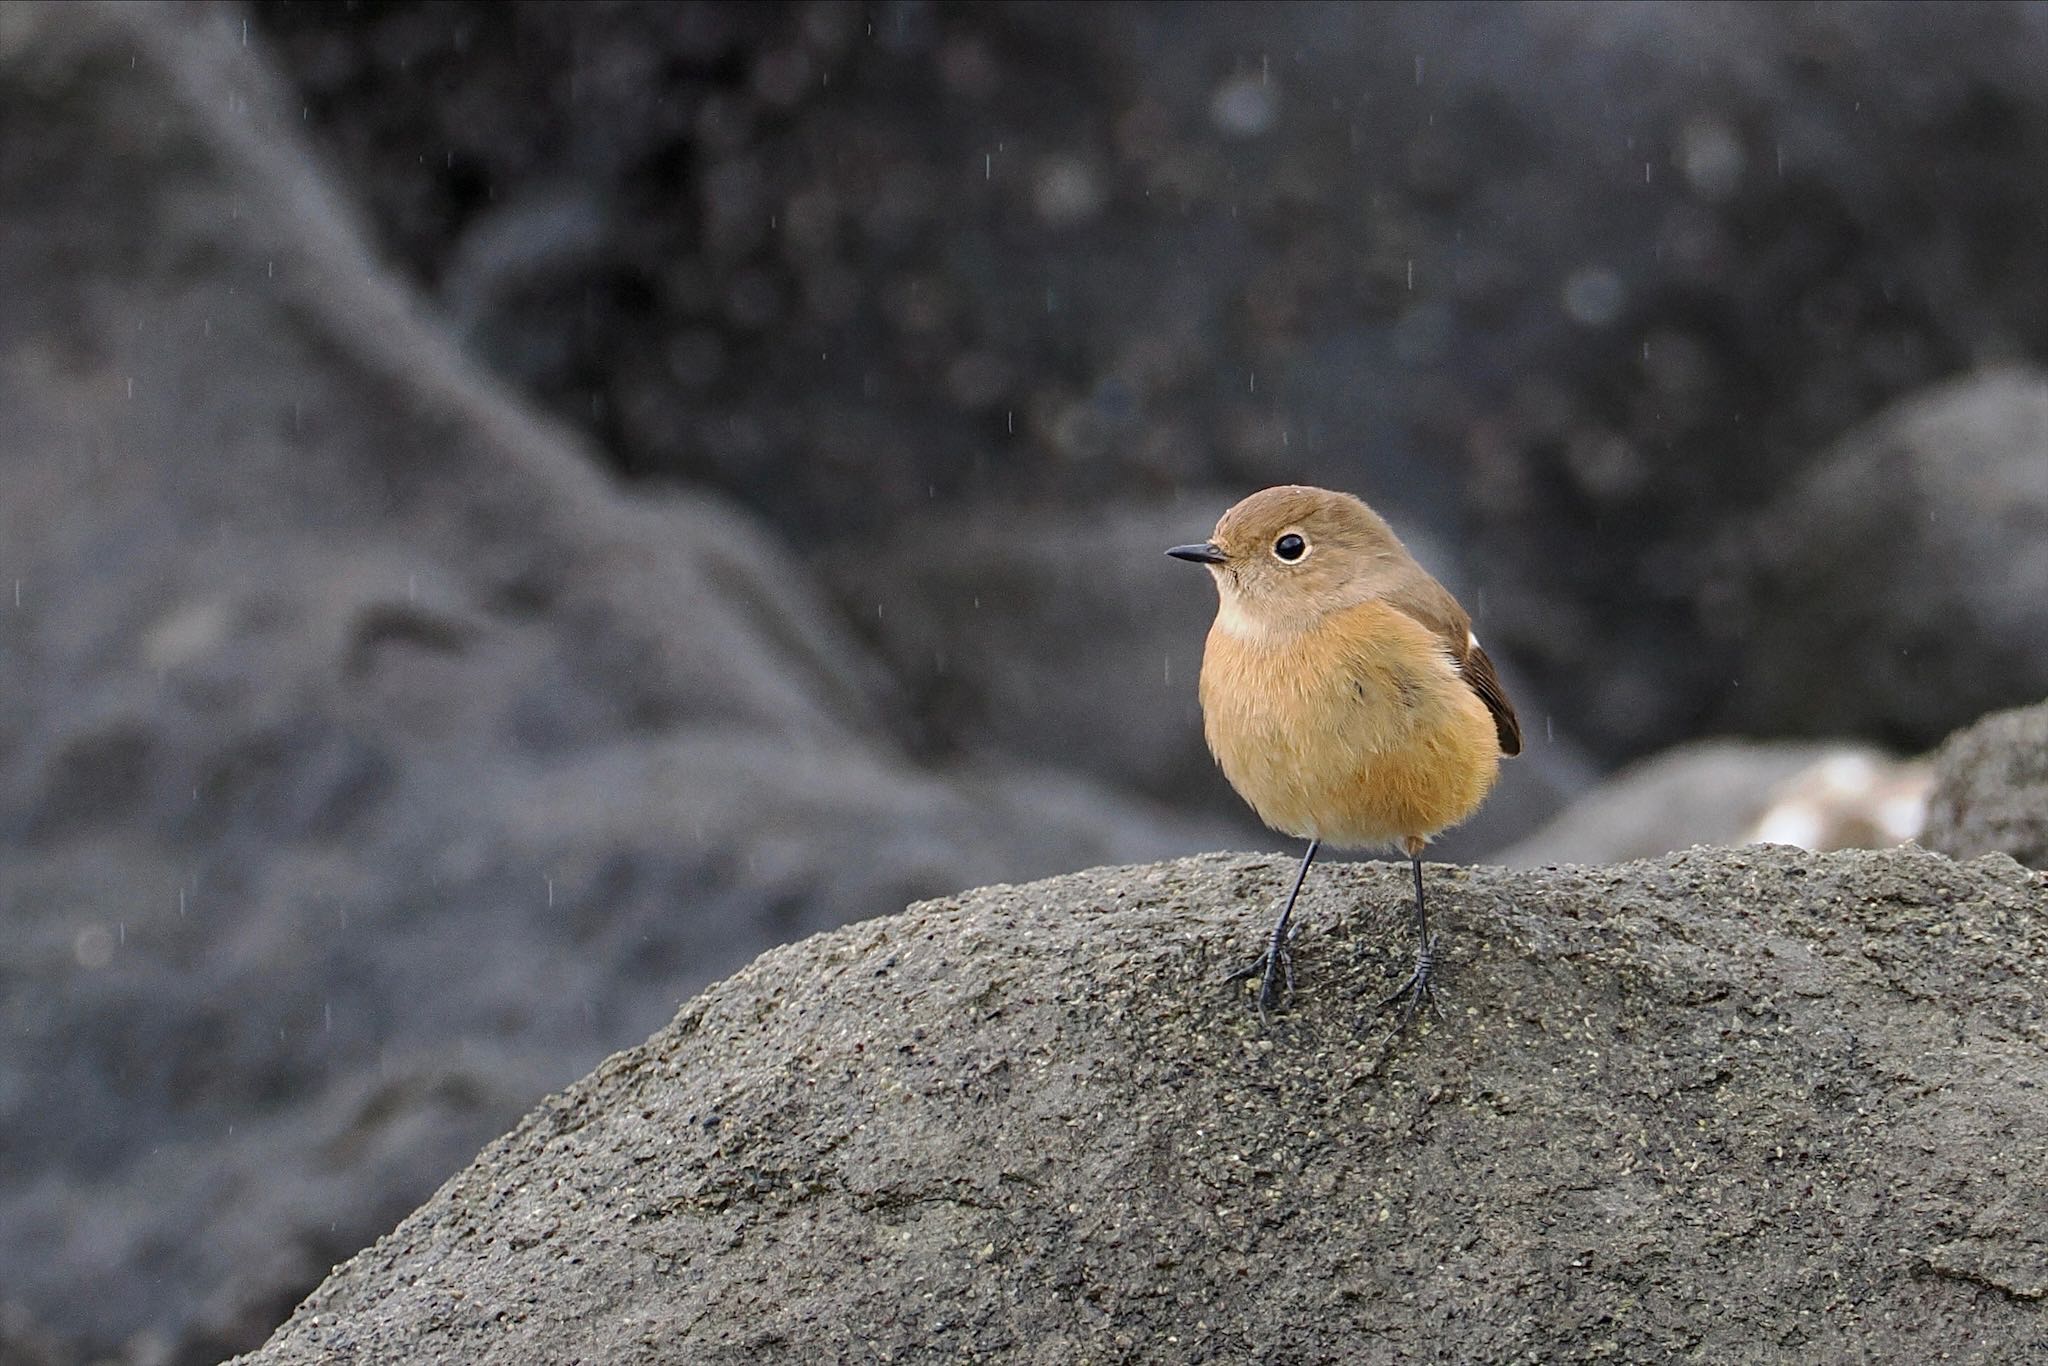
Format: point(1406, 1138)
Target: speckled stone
point(1752, 1104)
point(1991, 789)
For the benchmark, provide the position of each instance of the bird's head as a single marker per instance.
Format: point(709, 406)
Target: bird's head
point(1288, 556)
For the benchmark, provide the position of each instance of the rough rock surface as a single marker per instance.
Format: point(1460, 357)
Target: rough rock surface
point(1991, 789)
point(370, 762)
point(1733, 1105)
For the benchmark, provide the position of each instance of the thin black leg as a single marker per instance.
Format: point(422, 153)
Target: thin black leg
point(1275, 967)
point(1417, 989)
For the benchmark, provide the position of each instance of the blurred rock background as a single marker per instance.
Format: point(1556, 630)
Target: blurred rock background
point(509, 510)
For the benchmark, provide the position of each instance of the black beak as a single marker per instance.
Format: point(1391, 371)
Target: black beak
point(1205, 553)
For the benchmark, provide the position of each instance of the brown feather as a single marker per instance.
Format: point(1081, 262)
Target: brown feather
point(1430, 603)
point(1478, 671)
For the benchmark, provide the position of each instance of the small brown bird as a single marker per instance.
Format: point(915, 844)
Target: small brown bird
point(1343, 694)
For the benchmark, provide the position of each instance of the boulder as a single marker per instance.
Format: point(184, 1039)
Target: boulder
point(1991, 789)
point(1727, 1105)
point(1895, 589)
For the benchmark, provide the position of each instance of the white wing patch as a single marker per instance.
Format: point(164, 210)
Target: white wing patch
point(1458, 665)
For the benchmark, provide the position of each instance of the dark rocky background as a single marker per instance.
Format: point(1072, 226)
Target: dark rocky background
point(1585, 290)
point(506, 511)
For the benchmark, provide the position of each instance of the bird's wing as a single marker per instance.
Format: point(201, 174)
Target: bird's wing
point(1478, 671)
point(1430, 603)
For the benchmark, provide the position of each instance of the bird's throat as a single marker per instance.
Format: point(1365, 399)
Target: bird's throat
point(1244, 622)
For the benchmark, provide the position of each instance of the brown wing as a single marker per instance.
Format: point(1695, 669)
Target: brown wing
point(1429, 602)
point(1478, 671)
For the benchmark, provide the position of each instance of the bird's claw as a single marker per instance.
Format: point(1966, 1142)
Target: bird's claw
point(1275, 970)
point(1418, 990)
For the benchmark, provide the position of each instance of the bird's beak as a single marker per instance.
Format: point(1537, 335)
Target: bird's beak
point(1205, 553)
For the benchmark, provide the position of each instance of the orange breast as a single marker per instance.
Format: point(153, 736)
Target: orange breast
point(1358, 731)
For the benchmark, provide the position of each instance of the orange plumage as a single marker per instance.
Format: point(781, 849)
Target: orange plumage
point(1357, 731)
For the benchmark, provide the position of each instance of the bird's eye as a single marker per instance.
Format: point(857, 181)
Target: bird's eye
point(1290, 547)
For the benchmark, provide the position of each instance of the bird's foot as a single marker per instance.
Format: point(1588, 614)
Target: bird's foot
point(1418, 990)
point(1275, 970)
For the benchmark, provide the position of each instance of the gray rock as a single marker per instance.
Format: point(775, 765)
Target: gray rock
point(1991, 789)
point(372, 763)
point(1730, 1105)
point(1898, 587)
point(1703, 793)
point(1815, 795)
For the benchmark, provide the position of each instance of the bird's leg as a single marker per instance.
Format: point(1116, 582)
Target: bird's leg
point(1417, 989)
point(1275, 967)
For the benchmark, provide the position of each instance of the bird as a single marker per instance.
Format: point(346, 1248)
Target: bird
point(1345, 697)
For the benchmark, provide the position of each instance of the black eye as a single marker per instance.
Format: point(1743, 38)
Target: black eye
point(1290, 547)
